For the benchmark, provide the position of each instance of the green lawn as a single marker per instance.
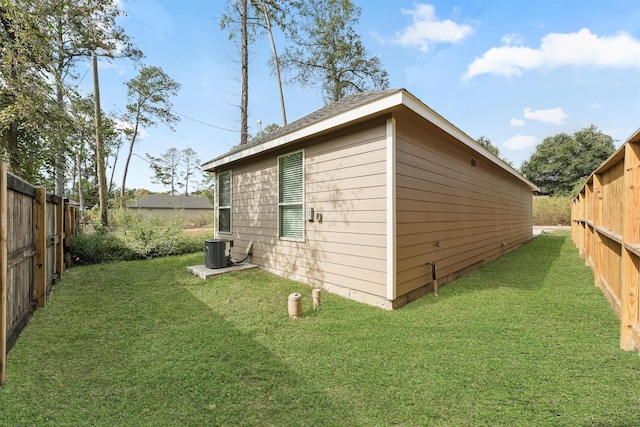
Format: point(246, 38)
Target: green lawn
point(526, 340)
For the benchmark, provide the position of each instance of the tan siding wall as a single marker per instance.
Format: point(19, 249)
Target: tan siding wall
point(448, 211)
point(345, 181)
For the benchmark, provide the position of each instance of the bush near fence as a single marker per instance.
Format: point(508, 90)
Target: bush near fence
point(130, 236)
point(551, 210)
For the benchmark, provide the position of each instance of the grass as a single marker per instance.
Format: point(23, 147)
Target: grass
point(526, 340)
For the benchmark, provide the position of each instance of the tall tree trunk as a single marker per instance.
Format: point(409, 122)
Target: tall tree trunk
point(10, 137)
point(276, 63)
point(60, 165)
point(244, 54)
point(186, 184)
point(79, 171)
point(113, 167)
point(126, 166)
point(102, 179)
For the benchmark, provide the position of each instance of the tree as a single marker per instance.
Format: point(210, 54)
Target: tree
point(76, 30)
point(562, 162)
point(327, 51)
point(166, 169)
point(25, 109)
point(174, 168)
point(86, 182)
point(190, 162)
point(148, 102)
point(279, 11)
point(206, 186)
point(237, 16)
point(488, 145)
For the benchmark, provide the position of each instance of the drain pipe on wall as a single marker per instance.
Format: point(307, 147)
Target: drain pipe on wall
point(433, 277)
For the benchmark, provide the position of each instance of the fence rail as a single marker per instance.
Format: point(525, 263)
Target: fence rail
point(605, 226)
point(35, 228)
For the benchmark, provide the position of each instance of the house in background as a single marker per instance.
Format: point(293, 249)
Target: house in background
point(364, 196)
point(162, 205)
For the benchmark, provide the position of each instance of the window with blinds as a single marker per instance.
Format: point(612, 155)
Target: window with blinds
point(291, 196)
point(224, 202)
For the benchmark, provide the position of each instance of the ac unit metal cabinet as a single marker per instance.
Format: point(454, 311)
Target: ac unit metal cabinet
point(215, 253)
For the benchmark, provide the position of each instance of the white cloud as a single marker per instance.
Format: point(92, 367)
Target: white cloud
point(557, 50)
point(512, 39)
point(552, 115)
point(517, 122)
point(426, 29)
point(595, 105)
point(520, 142)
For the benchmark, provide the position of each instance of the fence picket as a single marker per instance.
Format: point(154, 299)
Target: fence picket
point(605, 226)
point(4, 324)
point(37, 228)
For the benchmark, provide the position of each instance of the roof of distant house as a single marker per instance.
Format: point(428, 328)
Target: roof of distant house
point(161, 201)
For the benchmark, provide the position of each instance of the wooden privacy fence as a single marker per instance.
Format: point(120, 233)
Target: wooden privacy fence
point(605, 226)
point(35, 228)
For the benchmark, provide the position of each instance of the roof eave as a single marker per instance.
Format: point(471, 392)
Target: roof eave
point(400, 97)
point(423, 110)
point(357, 113)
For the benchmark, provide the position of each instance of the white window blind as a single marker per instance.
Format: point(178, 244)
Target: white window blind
point(291, 196)
point(224, 202)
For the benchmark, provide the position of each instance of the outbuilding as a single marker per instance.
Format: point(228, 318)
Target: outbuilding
point(369, 197)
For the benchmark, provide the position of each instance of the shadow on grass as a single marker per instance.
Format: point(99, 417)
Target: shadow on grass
point(130, 347)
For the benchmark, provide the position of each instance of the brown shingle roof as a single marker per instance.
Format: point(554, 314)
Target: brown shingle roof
point(345, 104)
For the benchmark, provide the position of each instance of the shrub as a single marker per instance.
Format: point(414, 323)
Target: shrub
point(552, 210)
point(130, 236)
point(97, 247)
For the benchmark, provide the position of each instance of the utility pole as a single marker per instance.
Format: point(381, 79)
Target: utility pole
point(102, 179)
point(244, 64)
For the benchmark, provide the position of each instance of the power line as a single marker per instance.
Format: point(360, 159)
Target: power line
point(183, 115)
point(203, 123)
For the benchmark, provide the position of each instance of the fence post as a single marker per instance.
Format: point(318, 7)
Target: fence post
point(67, 233)
point(41, 246)
point(631, 236)
point(597, 248)
point(3, 272)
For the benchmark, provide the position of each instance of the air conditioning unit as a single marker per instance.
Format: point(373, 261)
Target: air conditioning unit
point(217, 253)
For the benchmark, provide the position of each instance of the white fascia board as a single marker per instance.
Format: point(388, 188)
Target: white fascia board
point(321, 126)
point(435, 118)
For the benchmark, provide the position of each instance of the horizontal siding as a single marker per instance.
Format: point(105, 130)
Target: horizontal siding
point(448, 211)
point(345, 181)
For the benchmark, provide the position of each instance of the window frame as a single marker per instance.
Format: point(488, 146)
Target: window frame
point(301, 203)
point(218, 192)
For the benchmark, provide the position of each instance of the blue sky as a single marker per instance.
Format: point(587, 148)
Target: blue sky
point(514, 71)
